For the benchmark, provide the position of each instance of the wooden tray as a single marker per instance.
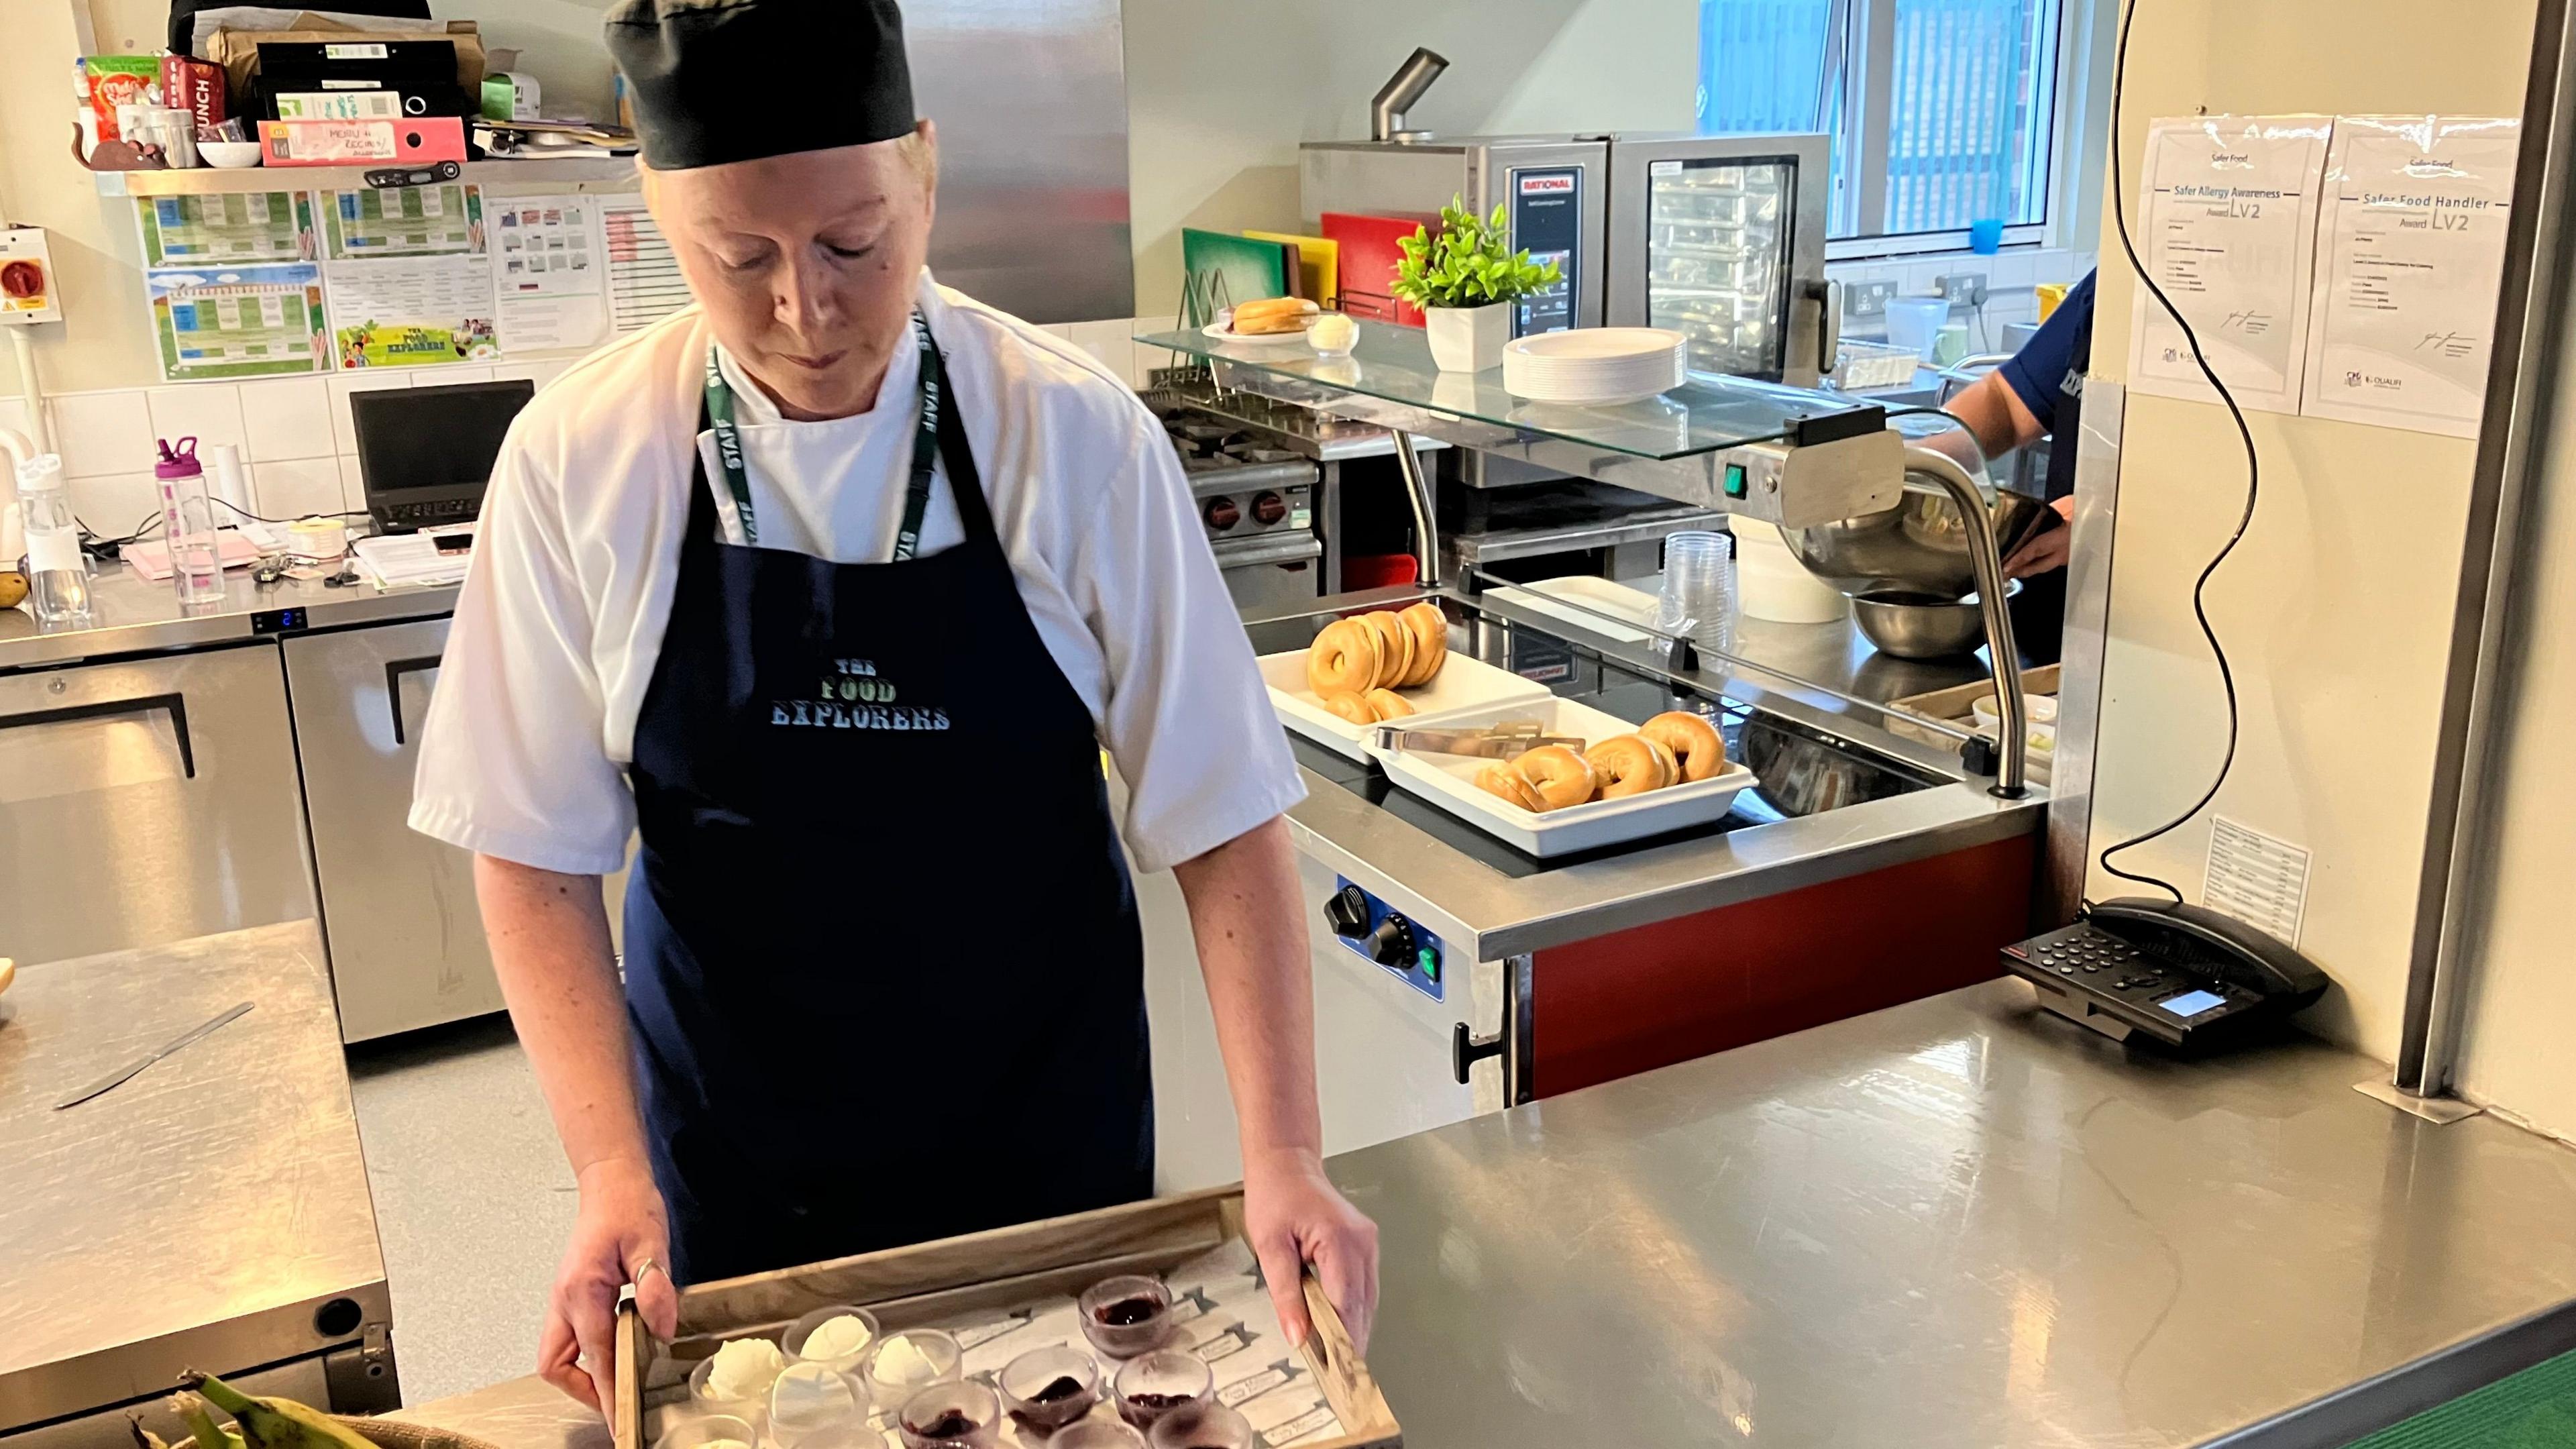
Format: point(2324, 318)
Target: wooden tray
point(907, 1287)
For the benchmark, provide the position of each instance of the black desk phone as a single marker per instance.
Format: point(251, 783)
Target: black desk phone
point(2185, 976)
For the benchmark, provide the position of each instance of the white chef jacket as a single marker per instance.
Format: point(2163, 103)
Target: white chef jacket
point(524, 752)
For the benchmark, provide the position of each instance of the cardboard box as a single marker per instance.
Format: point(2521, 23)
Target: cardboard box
point(194, 86)
point(237, 51)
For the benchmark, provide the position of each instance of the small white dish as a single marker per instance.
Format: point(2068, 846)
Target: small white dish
point(1224, 332)
point(229, 155)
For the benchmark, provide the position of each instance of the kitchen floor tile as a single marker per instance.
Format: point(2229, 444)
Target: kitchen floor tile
point(289, 417)
point(473, 1200)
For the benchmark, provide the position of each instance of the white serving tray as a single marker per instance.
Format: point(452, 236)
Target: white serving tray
point(1589, 603)
point(1449, 781)
point(1462, 684)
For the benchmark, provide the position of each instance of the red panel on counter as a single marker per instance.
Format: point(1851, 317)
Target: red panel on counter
point(1639, 999)
point(1368, 258)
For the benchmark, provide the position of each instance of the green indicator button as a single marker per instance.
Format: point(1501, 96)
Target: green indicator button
point(1430, 962)
point(1735, 486)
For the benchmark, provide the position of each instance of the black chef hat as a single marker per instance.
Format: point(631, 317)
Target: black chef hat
point(734, 80)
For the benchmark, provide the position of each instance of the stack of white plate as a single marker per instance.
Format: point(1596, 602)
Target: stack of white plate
point(1594, 365)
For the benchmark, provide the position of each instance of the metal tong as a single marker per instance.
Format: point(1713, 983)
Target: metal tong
point(1501, 740)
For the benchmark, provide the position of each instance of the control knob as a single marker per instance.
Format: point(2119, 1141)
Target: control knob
point(1268, 508)
point(1222, 514)
point(1347, 912)
point(1391, 944)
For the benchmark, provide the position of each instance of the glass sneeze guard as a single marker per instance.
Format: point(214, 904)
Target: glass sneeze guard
point(1667, 445)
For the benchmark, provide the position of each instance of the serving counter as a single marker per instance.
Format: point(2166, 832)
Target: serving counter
point(1955, 1224)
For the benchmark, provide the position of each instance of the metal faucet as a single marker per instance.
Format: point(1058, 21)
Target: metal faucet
point(1986, 559)
point(1402, 89)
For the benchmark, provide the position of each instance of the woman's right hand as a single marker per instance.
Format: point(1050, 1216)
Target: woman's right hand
point(621, 1236)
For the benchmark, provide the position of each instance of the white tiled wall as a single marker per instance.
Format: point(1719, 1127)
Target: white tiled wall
point(296, 435)
point(294, 432)
point(2011, 276)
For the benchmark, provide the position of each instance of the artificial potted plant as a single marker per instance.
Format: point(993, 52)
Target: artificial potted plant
point(1465, 280)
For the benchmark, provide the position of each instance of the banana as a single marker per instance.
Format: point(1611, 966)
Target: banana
point(276, 1423)
point(192, 1411)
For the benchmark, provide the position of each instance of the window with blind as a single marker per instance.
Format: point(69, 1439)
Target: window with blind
point(1942, 112)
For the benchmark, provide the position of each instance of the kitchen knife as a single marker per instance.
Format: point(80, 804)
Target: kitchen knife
point(118, 1077)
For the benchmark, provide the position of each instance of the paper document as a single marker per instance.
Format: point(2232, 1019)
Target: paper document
point(2226, 223)
point(393, 560)
point(547, 253)
point(2410, 258)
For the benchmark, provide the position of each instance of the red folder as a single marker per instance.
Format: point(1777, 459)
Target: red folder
point(1368, 258)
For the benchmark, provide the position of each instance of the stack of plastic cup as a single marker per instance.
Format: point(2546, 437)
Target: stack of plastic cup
point(1698, 601)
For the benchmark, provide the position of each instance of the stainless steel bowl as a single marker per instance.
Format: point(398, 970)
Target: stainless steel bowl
point(1917, 547)
point(1923, 626)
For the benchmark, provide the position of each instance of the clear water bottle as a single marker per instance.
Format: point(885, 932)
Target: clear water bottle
point(188, 525)
point(57, 573)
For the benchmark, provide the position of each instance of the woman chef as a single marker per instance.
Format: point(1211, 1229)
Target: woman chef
point(832, 587)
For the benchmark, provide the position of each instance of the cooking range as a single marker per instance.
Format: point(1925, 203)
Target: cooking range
point(1257, 503)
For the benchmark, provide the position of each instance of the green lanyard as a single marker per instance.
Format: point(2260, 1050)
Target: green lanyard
point(925, 445)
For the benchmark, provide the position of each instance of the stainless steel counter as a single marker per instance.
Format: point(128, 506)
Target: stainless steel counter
point(130, 614)
point(1960, 1222)
point(1474, 906)
point(212, 1211)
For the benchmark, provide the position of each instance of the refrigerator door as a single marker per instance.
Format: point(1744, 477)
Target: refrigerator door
point(1722, 239)
point(398, 911)
point(147, 800)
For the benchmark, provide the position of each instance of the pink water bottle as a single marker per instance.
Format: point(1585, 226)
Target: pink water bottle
point(188, 524)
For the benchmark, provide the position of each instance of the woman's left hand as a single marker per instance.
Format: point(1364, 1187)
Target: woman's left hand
point(1293, 1216)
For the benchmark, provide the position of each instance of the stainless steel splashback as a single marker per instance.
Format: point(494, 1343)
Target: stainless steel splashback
point(1030, 97)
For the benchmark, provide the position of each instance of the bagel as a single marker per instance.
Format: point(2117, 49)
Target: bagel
point(1630, 765)
point(1351, 707)
point(1273, 314)
point(1558, 774)
point(1398, 660)
point(1430, 630)
point(1499, 778)
point(1695, 743)
point(1343, 659)
point(1387, 704)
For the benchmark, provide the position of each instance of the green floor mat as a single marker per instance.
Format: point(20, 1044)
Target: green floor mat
point(2534, 1409)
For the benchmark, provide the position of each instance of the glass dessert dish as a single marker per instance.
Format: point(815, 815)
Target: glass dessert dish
point(1126, 1316)
point(809, 1397)
point(837, 1337)
point(1048, 1388)
point(951, 1416)
point(1203, 1424)
point(906, 1363)
point(710, 1431)
point(1160, 1382)
point(1097, 1434)
point(735, 1380)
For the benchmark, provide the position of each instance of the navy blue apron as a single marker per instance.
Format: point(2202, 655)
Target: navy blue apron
point(882, 957)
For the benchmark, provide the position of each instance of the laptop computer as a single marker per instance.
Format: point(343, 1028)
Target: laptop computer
point(425, 453)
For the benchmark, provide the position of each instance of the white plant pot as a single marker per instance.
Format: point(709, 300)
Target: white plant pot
point(1468, 339)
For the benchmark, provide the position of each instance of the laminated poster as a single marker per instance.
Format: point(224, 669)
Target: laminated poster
point(547, 257)
point(258, 226)
point(404, 221)
point(2409, 261)
point(2226, 224)
point(245, 321)
point(413, 311)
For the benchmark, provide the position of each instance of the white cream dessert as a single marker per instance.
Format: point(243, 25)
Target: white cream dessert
point(744, 1369)
point(903, 1364)
point(837, 1338)
point(808, 1393)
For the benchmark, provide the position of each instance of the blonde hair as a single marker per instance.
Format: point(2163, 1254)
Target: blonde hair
point(916, 147)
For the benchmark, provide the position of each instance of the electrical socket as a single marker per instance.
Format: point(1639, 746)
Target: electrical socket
point(1968, 287)
point(1867, 299)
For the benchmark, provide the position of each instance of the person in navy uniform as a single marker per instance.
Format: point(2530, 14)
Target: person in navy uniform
point(2039, 393)
point(831, 589)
